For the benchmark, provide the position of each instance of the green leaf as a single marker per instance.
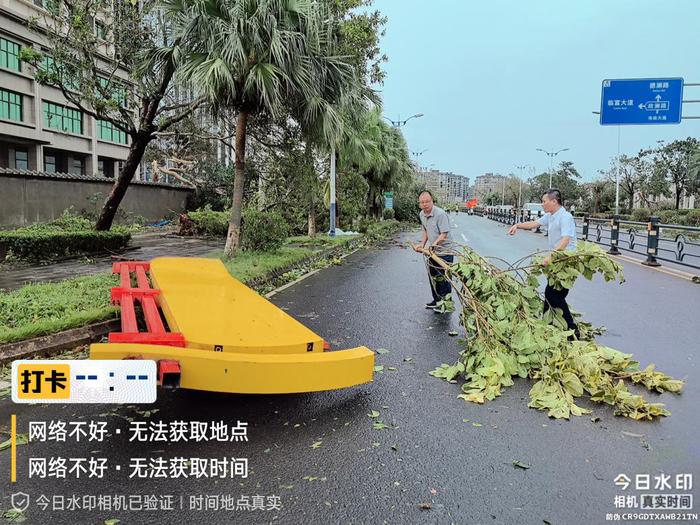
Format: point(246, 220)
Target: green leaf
point(382, 351)
point(373, 413)
point(22, 439)
point(519, 464)
point(14, 516)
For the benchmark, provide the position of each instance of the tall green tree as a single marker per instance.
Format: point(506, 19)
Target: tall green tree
point(122, 74)
point(259, 57)
point(380, 153)
point(634, 174)
point(673, 162)
point(565, 178)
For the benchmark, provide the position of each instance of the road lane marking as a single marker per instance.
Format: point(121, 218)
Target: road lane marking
point(13, 438)
point(668, 271)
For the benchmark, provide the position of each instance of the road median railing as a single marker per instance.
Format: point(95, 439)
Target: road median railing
point(509, 216)
point(653, 241)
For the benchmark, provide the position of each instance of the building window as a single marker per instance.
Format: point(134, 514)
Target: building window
point(78, 166)
point(9, 55)
point(101, 167)
point(100, 30)
point(116, 90)
point(21, 160)
point(62, 118)
point(10, 105)
point(50, 5)
point(58, 75)
point(50, 163)
point(108, 131)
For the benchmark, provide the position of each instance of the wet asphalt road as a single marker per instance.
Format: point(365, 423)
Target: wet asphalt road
point(431, 455)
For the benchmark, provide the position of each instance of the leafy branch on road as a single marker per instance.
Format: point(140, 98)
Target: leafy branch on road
point(507, 336)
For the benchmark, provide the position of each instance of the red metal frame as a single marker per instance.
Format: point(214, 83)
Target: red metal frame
point(126, 296)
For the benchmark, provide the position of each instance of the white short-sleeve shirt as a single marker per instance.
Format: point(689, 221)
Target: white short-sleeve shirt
point(559, 224)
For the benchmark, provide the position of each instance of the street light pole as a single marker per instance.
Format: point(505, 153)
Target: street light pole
point(520, 179)
point(400, 123)
point(551, 155)
point(331, 231)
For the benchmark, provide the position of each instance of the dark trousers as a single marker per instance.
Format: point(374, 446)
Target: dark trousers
point(557, 299)
point(439, 284)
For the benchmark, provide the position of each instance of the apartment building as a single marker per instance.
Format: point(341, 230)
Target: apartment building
point(446, 187)
point(486, 184)
point(39, 129)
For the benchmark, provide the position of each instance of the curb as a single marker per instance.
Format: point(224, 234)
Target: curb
point(673, 272)
point(54, 343)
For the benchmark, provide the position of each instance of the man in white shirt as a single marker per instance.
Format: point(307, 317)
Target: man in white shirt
point(561, 231)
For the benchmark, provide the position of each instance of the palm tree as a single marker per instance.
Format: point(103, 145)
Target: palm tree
point(260, 56)
point(380, 153)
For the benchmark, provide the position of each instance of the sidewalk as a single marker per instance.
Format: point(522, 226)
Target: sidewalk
point(148, 245)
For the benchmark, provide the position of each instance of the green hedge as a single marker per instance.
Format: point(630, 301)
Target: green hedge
point(210, 223)
point(263, 230)
point(41, 244)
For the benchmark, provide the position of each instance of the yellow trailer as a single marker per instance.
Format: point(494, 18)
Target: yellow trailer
point(221, 336)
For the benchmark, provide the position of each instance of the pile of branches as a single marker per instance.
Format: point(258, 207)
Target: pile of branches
point(507, 335)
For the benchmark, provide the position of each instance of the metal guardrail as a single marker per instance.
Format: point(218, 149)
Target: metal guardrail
point(647, 239)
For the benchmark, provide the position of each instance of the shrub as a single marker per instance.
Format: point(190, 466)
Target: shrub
point(665, 206)
point(41, 244)
point(641, 214)
point(263, 230)
point(666, 216)
point(210, 223)
point(693, 218)
point(378, 230)
point(388, 214)
point(365, 224)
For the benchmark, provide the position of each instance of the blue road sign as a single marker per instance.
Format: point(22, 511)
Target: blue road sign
point(641, 101)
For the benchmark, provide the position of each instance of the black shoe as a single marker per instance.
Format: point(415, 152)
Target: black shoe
point(432, 304)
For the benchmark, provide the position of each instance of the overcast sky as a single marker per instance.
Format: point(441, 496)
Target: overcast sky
point(497, 79)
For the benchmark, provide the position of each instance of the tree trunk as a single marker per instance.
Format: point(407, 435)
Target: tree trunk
point(233, 238)
point(121, 183)
point(312, 217)
point(312, 190)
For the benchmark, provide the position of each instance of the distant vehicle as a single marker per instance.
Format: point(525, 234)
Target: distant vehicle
point(533, 208)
